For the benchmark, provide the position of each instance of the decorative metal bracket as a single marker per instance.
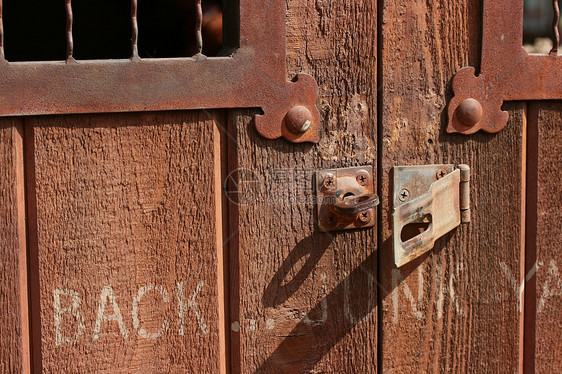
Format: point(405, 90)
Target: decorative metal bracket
point(433, 199)
point(507, 73)
point(253, 76)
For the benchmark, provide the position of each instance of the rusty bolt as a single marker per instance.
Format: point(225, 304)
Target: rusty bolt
point(298, 119)
point(329, 182)
point(362, 178)
point(404, 194)
point(365, 216)
point(469, 112)
point(441, 173)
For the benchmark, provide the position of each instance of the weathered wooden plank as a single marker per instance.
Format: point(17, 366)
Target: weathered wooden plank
point(543, 291)
point(14, 326)
point(306, 301)
point(124, 242)
point(456, 309)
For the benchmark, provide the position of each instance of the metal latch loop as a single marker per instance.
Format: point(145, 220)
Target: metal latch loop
point(356, 204)
point(346, 198)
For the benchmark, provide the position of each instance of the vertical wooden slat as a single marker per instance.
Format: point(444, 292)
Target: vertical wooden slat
point(220, 149)
point(124, 231)
point(543, 291)
point(14, 324)
point(456, 309)
point(306, 300)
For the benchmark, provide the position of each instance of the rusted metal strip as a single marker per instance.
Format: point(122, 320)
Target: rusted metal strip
point(464, 193)
point(507, 73)
point(1, 33)
point(198, 26)
point(556, 33)
point(135, 30)
point(69, 38)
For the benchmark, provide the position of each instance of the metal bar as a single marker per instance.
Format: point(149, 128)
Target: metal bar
point(69, 38)
point(135, 29)
point(1, 34)
point(198, 26)
point(556, 33)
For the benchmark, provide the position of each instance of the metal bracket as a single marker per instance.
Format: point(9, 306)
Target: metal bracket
point(507, 73)
point(345, 198)
point(432, 198)
point(253, 76)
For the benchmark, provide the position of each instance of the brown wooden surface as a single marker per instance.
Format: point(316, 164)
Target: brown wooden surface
point(14, 327)
point(118, 203)
point(543, 293)
point(306, 300)
point(125, 201)
point(456, 309)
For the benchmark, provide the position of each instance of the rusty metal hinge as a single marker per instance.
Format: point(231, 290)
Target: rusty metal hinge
point(428, 201)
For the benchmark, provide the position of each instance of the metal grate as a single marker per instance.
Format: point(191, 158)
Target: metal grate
point(249, 72)
point(51, 30)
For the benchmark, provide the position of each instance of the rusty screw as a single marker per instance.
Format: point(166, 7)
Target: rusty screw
point(441, 173)
point(298, 119)
point(365, 216)
point(362, 178)
point(404, 194)
point(469, 112)
point(329, 182)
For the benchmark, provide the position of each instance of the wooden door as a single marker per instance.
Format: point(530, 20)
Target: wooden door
point(184, 242)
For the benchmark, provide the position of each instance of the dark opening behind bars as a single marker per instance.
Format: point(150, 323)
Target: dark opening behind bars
point(51, 30)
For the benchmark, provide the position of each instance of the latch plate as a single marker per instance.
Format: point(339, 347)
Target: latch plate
point(434, 195)
point(345, 198)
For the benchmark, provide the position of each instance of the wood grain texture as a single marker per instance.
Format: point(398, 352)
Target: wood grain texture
point(306, 301)
point(123, 224)
point(14, 325)
point(543, 292)
point(457, 308)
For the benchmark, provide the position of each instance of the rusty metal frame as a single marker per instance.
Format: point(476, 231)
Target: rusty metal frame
point(254, 76)
point(507, 73)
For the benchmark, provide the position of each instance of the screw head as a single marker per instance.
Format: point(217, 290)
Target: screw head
point(329, 182)
point(403, 195)
point(362, 178)
point(331, 221)
point(365, 216)
point(298, 119)
point(440, 173)
point(469, 112)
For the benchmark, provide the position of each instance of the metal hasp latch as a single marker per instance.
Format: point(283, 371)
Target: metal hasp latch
point(428, 201)
point(507, 72)
point(345, 198)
